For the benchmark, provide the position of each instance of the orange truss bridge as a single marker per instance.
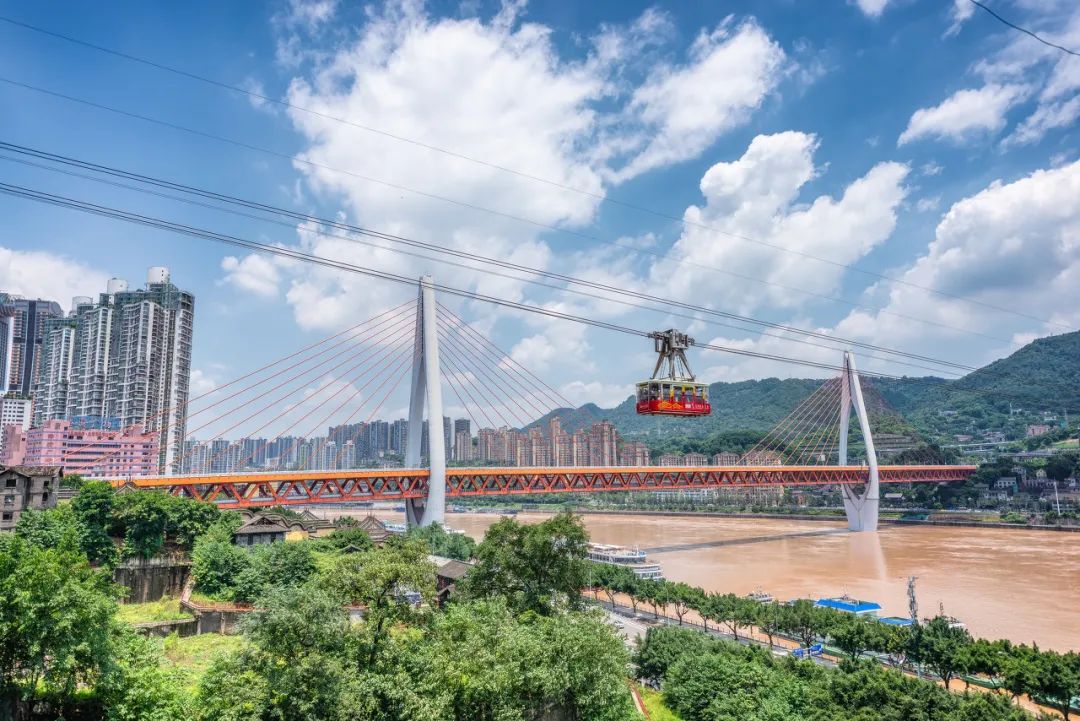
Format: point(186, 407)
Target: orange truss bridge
point(248, 490)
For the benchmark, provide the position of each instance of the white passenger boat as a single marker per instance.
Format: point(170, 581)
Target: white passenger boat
point(631, 558)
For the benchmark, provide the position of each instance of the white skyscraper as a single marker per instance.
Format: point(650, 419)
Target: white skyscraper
point(130, 363)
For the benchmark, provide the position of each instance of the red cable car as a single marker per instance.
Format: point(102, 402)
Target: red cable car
point(672, 390)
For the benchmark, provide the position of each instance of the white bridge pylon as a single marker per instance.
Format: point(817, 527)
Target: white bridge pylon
point(427, 386)
point(861, 510)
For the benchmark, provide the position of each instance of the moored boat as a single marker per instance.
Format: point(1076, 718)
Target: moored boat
point(631, 558)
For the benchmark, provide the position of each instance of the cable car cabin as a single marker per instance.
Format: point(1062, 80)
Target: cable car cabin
point(661, 397)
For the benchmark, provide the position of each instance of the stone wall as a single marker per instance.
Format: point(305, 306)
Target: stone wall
point(148, 579)
point(161, 629)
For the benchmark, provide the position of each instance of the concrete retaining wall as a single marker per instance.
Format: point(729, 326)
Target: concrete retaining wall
point(149, 579)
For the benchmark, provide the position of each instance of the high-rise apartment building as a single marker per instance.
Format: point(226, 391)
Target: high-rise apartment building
point(634, 453)
point(22, 330)
point(399, 435)
point(463, 447)
point(122, 362)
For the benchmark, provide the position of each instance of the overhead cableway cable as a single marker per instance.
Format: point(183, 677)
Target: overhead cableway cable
point(605, 289)
point(511, 216)
point(600, 197)
point(291, 253)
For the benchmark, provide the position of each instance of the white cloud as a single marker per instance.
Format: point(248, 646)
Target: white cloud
point(684, 109)
point(959, 13)
point(925, 205)
point(39, 274)
point(872, 8)
point(1046, 117)
point(965, 114)
point(931, 169)
point(258, 274)
point(1054, 74)
point(1013, 246)
point(308, 14)
point(201, 383)
point(757, 196)
point(604, 395)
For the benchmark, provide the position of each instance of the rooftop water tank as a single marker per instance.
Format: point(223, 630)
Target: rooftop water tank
point(116, 285)
point(157, 274)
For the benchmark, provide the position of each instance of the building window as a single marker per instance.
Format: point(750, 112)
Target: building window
point(9, 500)
point(6, 517)
point(11, 483)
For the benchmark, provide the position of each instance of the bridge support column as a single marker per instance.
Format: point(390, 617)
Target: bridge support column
point(861, 509)
point(427, 386)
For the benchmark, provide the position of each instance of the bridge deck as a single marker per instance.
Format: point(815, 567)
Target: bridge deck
point(239, 490)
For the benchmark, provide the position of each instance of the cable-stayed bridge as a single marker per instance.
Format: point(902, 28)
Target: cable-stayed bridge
point(816, 444)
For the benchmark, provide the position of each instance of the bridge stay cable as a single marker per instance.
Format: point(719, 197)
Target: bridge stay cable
point(489, 372)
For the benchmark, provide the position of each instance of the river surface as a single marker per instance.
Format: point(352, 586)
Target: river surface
point(1003, 583)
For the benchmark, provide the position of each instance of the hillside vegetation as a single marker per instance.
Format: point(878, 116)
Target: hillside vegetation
point(1043, 376)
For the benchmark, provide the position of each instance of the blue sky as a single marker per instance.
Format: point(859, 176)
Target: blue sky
point(918, 139)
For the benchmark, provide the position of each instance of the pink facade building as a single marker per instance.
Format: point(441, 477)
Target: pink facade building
point(14, 446)
point(92, 453)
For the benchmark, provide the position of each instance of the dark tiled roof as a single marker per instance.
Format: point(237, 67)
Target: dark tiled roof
point(453, 569)
point(32, 470)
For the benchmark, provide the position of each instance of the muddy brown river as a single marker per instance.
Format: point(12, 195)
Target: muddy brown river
point(1003, 583)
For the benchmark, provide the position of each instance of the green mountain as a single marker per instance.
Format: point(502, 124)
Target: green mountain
point(1041, 380)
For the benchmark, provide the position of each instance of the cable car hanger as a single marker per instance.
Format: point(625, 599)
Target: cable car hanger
point(673, 390)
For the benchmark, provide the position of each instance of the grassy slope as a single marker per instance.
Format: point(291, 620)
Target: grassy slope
point(167, 609)
point(654, 704)
point(194, 654)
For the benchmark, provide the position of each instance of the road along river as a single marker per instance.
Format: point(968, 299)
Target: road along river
point(1003, 583)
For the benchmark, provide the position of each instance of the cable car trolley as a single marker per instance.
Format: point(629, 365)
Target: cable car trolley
point(672, 390)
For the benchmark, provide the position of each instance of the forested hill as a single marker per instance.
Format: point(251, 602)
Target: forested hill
point(1043, 376)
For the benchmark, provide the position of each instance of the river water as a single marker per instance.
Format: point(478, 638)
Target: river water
point(1003, 583)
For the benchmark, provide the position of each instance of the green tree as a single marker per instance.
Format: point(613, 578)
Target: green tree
point(143, 518)
point(293, 667)
point(1061, 466)
point(443, 543)
point(284, 564)
point(663, 646)
point(683, 598)
point(216, 565)
point(537, 567)
point(188, 519)
point(1020, 671)
point(939, 645)
point(380, 581)
point(854, 635)
point(55, 620)
point(1059, 679)
point(138, 687)
point(93, 507)
point(51, 528)
point(344, 537)
point(806, 622)
point(495, 665)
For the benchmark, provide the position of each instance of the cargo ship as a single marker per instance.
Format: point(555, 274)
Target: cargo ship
point(630, 558)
